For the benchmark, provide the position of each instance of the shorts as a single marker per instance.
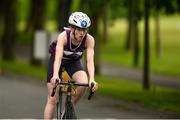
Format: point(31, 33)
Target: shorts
point(71, 66)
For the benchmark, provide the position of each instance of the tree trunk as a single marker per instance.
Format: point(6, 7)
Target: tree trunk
point(63, 13)
point(146, 84)
point(136, 44)
point(94, 32)
point(157, 30)
point(105, 23)
point(9, 36)
point(36, 22)
point(135, 33)
point(130, 20)
point(2, 7)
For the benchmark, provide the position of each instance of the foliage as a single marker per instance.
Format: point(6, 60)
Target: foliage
point(120, 6)
point(23, 7)
point(167, 6)
point(51, 9)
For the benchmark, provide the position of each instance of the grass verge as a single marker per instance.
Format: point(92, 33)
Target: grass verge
point(160, 97)
point(21, 67)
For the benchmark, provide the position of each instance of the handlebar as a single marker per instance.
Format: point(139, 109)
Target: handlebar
point(72, 83)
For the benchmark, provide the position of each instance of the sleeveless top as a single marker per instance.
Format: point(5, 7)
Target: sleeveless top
point(70, 52)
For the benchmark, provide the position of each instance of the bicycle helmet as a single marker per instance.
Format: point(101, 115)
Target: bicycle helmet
point(80, 20)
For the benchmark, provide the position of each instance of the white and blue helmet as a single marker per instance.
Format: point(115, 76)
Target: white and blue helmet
point(80, 20)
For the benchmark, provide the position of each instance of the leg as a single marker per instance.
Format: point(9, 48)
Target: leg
point(51, 103)
point(80, 77)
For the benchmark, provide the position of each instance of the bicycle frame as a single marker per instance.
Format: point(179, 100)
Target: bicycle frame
point(69, 114)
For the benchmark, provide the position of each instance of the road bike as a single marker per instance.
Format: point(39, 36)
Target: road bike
point(65, 108)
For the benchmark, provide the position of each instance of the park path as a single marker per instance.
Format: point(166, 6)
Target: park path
point(136, 75)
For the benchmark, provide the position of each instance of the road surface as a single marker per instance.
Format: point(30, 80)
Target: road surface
point(22, 98)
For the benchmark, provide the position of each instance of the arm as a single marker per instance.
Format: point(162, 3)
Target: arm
point(90, 60)
point(61, 41)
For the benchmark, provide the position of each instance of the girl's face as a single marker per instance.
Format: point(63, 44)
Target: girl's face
point(79, 33)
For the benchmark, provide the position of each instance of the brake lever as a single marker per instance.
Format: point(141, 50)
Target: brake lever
point(54, 89)
point(91, 92)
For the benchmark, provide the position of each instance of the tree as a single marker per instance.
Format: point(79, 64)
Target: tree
point(134, 15)
point(8, 8)
point(157, 35)
point(146, 84)
point(63, 13)
point(135, 35)
point(105, 18)
point(169, 7)
point(35, 22)
point(130, 21)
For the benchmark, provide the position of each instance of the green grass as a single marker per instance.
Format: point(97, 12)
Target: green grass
point(159, 97)
point(167, 64)
point(21, 67)
point(163, 98)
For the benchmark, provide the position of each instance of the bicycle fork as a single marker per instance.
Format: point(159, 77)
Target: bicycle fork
point(69, 94)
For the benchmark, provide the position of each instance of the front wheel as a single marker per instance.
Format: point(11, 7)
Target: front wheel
point(61, 105)
point(69, 111)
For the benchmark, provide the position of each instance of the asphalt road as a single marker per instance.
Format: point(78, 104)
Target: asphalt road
point(23, 97)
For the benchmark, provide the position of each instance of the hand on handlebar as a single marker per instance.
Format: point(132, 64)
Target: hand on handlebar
point(95, 85)
point(54, 80)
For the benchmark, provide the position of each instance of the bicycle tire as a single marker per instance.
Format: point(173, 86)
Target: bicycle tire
point(61, 104)
point(69, 110)
point(64, 104)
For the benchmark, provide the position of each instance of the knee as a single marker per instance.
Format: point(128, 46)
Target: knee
point(81, 90)
point(52, 100)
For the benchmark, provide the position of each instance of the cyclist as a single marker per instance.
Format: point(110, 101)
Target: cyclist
point(66, 53)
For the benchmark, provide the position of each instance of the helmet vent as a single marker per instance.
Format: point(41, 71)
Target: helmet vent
point(75, 21)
